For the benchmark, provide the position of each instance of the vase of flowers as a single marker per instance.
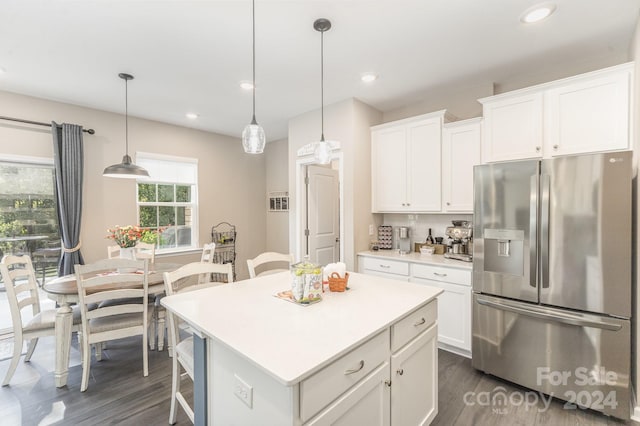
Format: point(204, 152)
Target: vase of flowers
point(126, 237)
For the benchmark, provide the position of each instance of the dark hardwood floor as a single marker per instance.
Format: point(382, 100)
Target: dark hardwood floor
point(119, 394)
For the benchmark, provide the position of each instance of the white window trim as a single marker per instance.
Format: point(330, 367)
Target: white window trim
point(195, 240)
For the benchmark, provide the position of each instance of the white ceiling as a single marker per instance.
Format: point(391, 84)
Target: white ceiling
point(191, 55)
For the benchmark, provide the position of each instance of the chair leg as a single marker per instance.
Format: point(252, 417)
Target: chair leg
point(98, 348)
point(17, 350)
point(86, 365)
point(152, 331)
point(145, 355)
point(161, 328)
point(175, 388)
point(30, 348)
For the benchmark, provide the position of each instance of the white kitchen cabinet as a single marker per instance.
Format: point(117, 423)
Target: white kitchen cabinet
point(401, 390)
point(586, 113)
point(414, 381)
point(512, 128)
point(367, 403)
point(454, 331)
point(460, 152)
point(392, 269)
point(454, 304)
point(406, 166)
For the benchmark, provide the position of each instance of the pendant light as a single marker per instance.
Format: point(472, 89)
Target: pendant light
point(322, 151)
point(126, 169)
point(253, 137)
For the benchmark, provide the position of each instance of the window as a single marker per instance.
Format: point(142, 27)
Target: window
point(167, 200)
point(28, 217)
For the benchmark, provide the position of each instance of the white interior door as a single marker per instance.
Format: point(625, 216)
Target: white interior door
point(323, 214)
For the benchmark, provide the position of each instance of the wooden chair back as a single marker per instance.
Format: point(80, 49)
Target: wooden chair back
point(21, 286)
point(267, 258)
point(146, 251)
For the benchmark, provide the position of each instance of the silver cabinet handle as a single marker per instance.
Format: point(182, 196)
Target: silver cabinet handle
point(555, 147)
point(403, 204)
point(448, 203)
point(419, 323)
point(388, 383)
point(355, 370)
point(439, 275)
point(537, 149)
point(408, 204)
point(385, 266)
point(400, 371)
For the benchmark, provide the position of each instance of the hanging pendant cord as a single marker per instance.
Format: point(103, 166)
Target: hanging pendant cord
point(126, 116)
point(253, 29)
point(322, 85)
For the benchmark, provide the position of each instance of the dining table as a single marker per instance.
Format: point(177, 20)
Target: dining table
point(64, 290)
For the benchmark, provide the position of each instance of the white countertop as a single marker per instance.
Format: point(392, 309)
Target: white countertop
point(291, 342)
point(413, 257)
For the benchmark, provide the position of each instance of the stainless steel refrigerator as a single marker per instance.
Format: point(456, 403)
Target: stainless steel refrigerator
point(552, 277)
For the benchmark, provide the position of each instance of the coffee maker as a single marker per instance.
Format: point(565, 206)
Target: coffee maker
point(460, 234)
point(403, 242)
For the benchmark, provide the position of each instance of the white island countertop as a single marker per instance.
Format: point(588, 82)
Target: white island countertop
point(291, 342)
point(413, 257)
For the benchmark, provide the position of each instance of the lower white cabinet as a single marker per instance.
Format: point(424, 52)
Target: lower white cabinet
point(454, 305)
point(400, 390)
point(414, 381)
point(367, 403)
point(392, 269)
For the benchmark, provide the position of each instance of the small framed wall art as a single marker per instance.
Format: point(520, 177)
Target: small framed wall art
point(278, 201)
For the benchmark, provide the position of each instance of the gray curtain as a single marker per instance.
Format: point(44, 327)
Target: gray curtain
point(68, 161)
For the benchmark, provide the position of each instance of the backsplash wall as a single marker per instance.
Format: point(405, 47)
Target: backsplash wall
point(420, 224)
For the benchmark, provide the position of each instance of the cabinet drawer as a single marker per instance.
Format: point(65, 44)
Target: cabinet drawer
point(322, 388)
point(413, 324)
point(388, 266)
point(438, 273)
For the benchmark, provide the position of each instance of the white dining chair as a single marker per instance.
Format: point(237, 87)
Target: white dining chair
point(182, 280)
point(101, 282)
point(21, 286)
point(146, 251)
point(113, 251)
point(269, 258)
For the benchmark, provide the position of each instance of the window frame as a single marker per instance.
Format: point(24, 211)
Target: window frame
point(193, 204)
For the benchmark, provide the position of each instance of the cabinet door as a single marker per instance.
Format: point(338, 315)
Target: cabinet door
point(588, 115)
point(414, 381)
point(389, 169)
point(367, 403)
point(512, 128)
point(454, 314)
point(460, 152)
point(424, 166)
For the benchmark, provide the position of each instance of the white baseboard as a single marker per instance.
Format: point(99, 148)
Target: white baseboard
point(455, 350)
point(635, 413)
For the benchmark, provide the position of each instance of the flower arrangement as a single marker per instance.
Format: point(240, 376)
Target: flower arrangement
point(128, 236)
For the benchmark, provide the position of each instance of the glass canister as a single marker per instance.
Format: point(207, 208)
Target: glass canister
point(306, 281)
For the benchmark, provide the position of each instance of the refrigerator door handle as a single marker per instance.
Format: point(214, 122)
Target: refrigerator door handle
point(540, 312)
point(533, 230)
point(545, 205)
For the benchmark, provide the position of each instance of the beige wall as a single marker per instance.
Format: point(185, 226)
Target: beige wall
point(277, 179)
point(635, 365)
point(348, 122)
point(231, 183)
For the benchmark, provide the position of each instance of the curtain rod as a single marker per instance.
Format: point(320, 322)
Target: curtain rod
point(38, 123)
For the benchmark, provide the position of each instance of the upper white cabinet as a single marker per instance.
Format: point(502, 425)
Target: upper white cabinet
point(586, 113)
point(460, 152)
point(406, 167)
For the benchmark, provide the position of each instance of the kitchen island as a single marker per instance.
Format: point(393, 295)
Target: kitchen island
point(367, 355)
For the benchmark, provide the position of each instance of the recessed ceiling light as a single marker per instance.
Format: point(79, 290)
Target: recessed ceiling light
point(191, 115)
point(537, 13)
point(246, 85)
point(368, 77)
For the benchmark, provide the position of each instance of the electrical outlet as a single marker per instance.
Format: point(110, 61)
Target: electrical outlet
point(243, 391)
point(371, 230)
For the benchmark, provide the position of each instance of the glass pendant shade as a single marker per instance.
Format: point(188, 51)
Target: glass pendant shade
point(322, 153)
point(253, 138)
